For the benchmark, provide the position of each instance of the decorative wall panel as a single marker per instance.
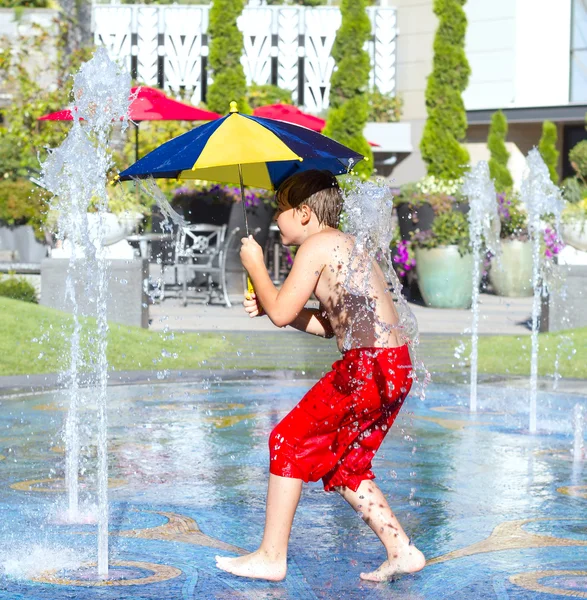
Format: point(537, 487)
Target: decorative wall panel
point(290, 45)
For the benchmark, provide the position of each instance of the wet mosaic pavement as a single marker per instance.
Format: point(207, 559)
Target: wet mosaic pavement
point(499, 513)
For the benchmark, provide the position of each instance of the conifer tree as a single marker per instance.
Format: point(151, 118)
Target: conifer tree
point(446, 125)
point(224, 59)
point(349, 100)
point(547, 149)
point(498, 163)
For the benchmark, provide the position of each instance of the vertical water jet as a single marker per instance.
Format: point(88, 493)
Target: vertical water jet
point(483, 231)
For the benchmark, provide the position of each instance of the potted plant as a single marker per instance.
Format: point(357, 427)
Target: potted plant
point(417, 204)
point(574, 221)
point(512, 274)
point(444, 262)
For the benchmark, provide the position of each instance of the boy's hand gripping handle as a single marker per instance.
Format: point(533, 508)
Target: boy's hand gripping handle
point(250, 292)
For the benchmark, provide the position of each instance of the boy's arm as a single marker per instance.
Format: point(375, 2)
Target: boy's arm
point(314, 321)
point(283, 306)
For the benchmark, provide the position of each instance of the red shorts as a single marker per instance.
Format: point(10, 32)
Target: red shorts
point(335, 430)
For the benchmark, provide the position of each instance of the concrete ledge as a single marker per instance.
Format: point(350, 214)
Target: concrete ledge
point(570, 312)
point(127, 298)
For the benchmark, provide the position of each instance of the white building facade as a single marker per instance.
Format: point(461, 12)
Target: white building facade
point(527, 57)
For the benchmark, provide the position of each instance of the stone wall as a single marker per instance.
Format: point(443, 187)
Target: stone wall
point(127, 298)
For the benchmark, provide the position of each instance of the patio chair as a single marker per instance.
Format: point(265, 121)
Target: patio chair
point(201, 252)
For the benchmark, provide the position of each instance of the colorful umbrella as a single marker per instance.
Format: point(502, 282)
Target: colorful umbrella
point(244, 149)
point(150, 104)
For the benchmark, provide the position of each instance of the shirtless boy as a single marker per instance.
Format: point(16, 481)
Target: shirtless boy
point(335, 430)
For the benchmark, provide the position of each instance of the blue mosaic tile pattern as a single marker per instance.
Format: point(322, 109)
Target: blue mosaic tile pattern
point(498, 512)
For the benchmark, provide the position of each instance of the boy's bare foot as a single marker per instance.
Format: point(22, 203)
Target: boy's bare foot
point(409, 560)
point(256, 565)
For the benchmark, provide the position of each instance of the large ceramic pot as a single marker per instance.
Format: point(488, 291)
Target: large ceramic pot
point(513, 277)
point(574, 233)
point(445, 277)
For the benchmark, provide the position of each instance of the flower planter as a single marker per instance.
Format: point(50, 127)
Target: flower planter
point(413, 218)
point(445, 277)
point(574, 233)
point(513, 277)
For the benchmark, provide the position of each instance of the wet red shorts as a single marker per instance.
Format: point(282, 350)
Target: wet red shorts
point(335, 430)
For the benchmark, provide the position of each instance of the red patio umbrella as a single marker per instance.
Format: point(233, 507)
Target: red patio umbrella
point(150, 104)
point(292, 114)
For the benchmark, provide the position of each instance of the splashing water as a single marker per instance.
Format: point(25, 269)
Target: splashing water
point(75, 174)
point(367, 216)
point(483, 228)
point(541, 198)
point(578, 426)
point(172, 221)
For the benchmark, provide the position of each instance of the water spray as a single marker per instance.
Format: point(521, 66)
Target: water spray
point(483, 230)
point(541, 198)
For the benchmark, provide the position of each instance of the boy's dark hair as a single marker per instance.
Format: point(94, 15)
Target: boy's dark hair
point(318, 189)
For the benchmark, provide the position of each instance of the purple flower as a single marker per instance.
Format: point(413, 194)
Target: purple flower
point(553, 244)
point(403, 260)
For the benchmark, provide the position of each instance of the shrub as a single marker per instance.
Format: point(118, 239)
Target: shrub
point(446, 125)
point(448, 229)
point(349, 100)
point(547, 149)
point(498, 163)
point(22, 204)
point(24, 140)
point(574, 190)
point(513, 218)
point(301, 2)
point(261, 95)
point(384, 108)
point(226, 48)
point(18, 288)
point(578, 159)
point(24, 3)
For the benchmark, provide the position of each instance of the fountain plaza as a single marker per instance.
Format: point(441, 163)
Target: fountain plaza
point(498, 512)
point(126, 485)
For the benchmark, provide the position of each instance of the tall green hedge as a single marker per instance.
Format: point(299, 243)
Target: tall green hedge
point(498, 163)
point(547, 149)
point(224, 59)
point(349, 99)
point(446, 125)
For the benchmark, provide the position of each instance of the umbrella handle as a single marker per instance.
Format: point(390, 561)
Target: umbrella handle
point(251, 290)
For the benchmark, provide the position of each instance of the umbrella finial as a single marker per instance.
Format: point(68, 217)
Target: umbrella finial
point(233, 107)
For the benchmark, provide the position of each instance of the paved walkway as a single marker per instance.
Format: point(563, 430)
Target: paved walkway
point(498, 315)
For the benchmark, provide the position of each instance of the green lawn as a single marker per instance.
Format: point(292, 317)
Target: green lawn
point(511, 354)
point(33, 340)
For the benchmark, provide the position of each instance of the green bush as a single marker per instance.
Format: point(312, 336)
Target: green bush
point(226, 48)
point(547, 149)
point(578, 159)
point(349, 99)
point(446, 125)
point(261, 95)
point(574, 190)
point(301, 2)
point(384, 108)
point(21, 203)
point(498, 163)
point(23, 139)
point(24, 3)
point(18, 288)
point(448, 229)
